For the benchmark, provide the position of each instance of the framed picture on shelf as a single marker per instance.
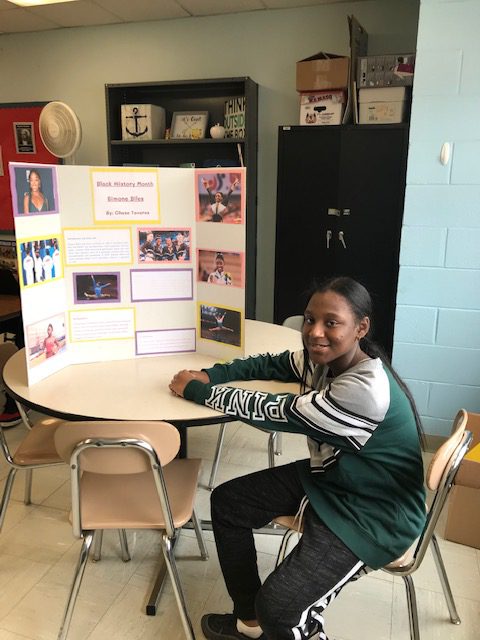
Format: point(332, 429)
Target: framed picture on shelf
point(189, 124)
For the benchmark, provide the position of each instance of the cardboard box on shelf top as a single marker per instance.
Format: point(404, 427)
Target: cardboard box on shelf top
point(386, 105)
point(322, 107)
point(322, 71)
point(463, 520)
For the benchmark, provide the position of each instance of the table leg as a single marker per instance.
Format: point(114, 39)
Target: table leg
point(182, 452)
point(151, 609)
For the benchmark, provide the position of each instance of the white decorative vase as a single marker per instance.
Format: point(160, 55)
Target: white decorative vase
point(217, 131)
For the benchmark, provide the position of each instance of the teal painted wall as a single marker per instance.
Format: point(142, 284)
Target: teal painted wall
point(437, 329)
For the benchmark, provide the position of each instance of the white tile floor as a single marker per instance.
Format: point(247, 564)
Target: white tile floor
point(38, 553)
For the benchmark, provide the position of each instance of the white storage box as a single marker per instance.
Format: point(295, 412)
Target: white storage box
point(322, 107)
point(143, 122)
point(382, 105)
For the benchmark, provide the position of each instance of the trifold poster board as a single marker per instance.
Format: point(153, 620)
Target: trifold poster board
point(123, 262)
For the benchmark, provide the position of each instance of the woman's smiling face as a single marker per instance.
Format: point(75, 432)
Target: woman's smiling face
point(331, 332)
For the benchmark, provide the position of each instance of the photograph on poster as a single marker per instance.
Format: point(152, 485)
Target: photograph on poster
point(221, 325)
point(45, 339)
point(24, 137)
point(220, 267)
point(164, 245)
point(220, 197)
point(40, 259)
point(34, 190)
point(96, 287)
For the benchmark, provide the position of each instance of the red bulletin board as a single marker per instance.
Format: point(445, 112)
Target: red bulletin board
point(9, 115)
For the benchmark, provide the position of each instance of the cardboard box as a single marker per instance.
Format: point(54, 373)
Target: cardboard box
point(142, 122)
point(322, 71)
point(463, 520)
point(323, 107)
point(394, 70)
point(382, 105)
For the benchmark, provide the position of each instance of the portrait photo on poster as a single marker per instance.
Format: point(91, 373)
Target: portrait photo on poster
point(24, 137)
point(45, 339)
point(221, 325)
point(220, 267)
point(164, 245)
point(40, 260)
point(34, 190)
point(96, 287)
point(220, 197)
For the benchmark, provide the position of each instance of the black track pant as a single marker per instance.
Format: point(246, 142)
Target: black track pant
point(291, 601)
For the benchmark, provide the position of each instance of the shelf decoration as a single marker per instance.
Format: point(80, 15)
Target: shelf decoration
point(189, 124)
point(234, 117)
point(142, 122)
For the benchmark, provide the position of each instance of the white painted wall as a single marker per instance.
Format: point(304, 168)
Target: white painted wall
point(73, 65)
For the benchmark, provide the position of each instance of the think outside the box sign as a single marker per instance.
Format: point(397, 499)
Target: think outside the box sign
point(234, 121)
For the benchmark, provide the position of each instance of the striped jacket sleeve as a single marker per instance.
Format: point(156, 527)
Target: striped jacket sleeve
point(344, 414)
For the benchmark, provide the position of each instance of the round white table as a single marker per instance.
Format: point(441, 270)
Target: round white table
point(137, 388)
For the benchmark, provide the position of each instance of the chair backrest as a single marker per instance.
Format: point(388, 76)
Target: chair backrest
point(163, 437)
point(7, 349)
point(440, 478)
point(444, 454)
point(117, 448)
point(294, 322)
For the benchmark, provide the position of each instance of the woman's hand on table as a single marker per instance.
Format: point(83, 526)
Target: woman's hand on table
point(182, 378)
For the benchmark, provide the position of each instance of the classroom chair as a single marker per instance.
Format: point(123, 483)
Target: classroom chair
point(37, 449)
point(439, 479)
point(124, 475)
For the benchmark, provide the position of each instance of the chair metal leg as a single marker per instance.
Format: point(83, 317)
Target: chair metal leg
point(77, 581)
point(216, 459)
point(97, 545)
point(28, 486)
point(7, 492)
point(122, 534)
point(442, 574)
point(282, 552)
point(200, 538)
point(412, 607)
point(278, 444)
point(271, 449)
point(177, 587)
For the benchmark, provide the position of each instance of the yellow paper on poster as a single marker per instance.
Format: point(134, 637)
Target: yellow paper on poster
point(125, 195)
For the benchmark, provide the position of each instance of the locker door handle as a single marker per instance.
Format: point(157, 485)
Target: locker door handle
point(328, 238)
point(342, 239)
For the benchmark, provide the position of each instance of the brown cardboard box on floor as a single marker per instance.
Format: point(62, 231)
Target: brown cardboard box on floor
point(463, 521)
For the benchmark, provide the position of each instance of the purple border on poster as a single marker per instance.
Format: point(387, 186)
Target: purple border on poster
point(93, 300)
point(165, 353)
point(190, 297)
point(13, 186)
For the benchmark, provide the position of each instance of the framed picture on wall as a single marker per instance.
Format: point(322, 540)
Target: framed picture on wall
point(189, 124)
point(24, 137)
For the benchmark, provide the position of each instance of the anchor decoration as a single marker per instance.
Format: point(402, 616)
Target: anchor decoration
point(137, 133)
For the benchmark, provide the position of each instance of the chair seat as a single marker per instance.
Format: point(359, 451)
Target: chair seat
point(38, 446)
point(290, 522)
point(405, 559)
point(139, 507)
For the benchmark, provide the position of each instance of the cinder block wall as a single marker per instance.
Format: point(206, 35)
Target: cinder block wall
point(437, 329)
